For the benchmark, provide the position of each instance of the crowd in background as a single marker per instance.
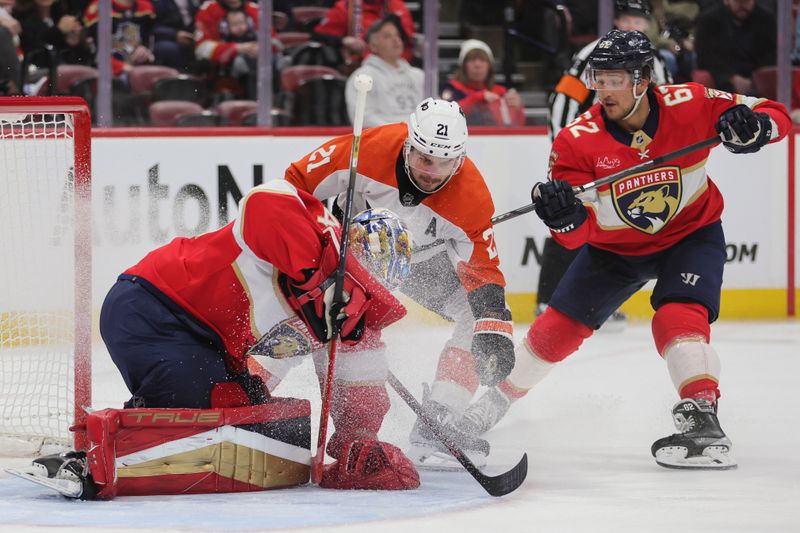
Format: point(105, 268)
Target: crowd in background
point(211, 46)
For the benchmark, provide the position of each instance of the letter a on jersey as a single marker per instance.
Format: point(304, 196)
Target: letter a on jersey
point(431, 229)
point(649, 200)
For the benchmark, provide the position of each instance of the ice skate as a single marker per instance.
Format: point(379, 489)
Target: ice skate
point(700, 442)
point(484, 414)
point(428, 452)
point(66, 473)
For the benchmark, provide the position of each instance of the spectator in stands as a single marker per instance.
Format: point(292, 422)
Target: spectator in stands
point(397, 86)
point(173, 32)
point(484, 102)
point(732, 40)
point(9, 41)
point(346, 35)
point(131, 28)
point(215, 43)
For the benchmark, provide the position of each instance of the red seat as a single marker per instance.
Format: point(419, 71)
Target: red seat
point(291, 39)
point(67, 75)
point(703, 77)
point(235, 110)
point(143, 77)
point(292, 77)
point(765, 80)
point(305, 17)
point(165, 114)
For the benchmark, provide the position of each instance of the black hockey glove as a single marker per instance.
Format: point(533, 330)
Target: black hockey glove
point(493, 346)
point(556, 205)
point(744, 131)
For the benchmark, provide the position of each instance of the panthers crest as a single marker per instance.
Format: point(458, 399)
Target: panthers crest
point(288, 338)
point(647, 201)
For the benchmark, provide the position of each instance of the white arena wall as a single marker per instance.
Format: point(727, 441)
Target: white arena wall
point(151, 185)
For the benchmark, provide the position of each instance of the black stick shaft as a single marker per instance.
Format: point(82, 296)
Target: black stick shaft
point(618, 175)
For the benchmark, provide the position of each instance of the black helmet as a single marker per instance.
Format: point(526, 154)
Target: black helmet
point(622, 50)
point(632, 7)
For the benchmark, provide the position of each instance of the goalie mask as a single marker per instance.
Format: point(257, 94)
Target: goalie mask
point(435, 148)
point(382, 244)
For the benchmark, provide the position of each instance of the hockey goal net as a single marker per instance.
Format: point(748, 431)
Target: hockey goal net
point(45, 271)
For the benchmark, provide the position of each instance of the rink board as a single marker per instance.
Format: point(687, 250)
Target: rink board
point(151, 185)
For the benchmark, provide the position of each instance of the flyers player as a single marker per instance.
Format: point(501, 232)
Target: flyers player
point(420, 171)
point(662, 224)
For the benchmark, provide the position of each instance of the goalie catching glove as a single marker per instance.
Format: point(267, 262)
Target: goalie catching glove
point(378, 260)
point(744, 131)
point(312, 299)
point(555, 203)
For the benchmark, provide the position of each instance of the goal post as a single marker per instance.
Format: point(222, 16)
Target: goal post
point(45, 272)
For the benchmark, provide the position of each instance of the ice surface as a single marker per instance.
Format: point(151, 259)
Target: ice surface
point(587, 429)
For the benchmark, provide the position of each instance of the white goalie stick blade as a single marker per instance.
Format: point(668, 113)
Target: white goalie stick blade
point(38, 474)
point(431, 458)
point(713, 458)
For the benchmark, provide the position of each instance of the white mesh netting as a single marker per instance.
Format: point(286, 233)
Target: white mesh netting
point(37, 276)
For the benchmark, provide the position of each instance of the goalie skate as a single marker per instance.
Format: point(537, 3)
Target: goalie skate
point(700, 443)
point(65, 473)
point(428, 453)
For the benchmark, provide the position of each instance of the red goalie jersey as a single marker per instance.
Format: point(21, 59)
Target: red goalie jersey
point(652, 210)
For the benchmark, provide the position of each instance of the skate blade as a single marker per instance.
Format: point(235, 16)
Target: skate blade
point(713, 458)
point(433, 459)
point(71, 489)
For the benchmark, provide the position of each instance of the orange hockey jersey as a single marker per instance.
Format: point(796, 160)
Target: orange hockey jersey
point(456, 218)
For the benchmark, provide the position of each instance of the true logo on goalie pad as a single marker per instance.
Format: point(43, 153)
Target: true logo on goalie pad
point(648, 200)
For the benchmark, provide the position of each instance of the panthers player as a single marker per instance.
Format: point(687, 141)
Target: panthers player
point(661, 224)
point(183, 325)
point(420, 171)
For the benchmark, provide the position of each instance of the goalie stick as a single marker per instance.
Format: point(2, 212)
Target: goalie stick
point(498, 485)
point(363, 84)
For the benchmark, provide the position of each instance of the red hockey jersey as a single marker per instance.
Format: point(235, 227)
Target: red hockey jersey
point(652, 210)
point(228, 278)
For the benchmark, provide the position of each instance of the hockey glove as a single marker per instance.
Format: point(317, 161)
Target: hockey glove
point(312, 300)
point(744, 131)
point(557, 206)
point(493, 346)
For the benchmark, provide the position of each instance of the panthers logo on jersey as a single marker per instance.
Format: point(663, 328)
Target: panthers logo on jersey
point(289, 338)
point(647, 201)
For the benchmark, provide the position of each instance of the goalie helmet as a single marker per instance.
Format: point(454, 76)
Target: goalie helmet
point(382, 244)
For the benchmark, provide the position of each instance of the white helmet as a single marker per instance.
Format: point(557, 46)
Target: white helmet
point(438, 128)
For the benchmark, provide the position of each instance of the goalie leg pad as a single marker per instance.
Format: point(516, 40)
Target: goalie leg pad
point(196, 451)
point(371, 465)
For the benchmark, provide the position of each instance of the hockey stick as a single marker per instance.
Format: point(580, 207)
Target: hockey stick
point(499, 485)
point(618, 175)
point(595, 184)
point(363, 84)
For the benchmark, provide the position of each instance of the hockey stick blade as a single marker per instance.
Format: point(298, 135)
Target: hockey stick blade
point(498, 485)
